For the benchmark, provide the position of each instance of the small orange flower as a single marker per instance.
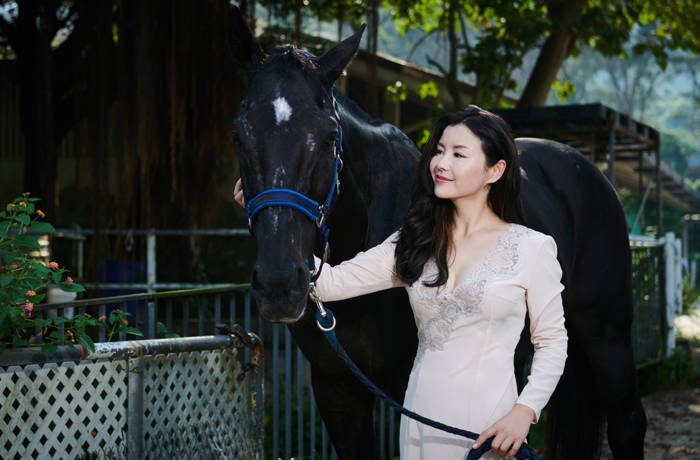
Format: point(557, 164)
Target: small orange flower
point(14, 266)
point(23, 204)
point(28, 308)
point(69, 281)
point(40, 213)
point(30, 293)
point(53, 265)
point(26, 194)
point(10, 206)
point(102, 318)
point(125, 322)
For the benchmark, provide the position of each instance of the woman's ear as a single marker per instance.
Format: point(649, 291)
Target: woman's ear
point(496, 171)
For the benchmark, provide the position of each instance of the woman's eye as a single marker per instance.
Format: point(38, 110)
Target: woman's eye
point(438, 152)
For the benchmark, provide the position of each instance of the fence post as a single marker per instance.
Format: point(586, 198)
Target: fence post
point(134, 410)
point(151, 260)
point(673, 290)
point(151, 320)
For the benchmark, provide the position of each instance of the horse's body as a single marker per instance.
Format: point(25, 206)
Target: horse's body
point(563, 195)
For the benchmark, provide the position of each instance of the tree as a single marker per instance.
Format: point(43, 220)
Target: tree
point(49, 99)
point(495, 35)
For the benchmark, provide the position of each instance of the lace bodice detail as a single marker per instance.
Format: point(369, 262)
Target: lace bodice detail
point(438, 309)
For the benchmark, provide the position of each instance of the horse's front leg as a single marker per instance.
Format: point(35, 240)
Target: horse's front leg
point(346, 408)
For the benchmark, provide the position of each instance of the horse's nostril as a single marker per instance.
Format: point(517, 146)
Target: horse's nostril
point(301, 274)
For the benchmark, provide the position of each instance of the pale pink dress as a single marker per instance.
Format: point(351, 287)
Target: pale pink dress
point(463, 372)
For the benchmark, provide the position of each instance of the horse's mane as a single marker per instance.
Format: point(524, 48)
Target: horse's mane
point(284, 55)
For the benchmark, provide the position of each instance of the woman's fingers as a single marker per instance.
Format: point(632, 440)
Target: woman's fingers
point(516, 447)
point(486, 434)
point(238, 192)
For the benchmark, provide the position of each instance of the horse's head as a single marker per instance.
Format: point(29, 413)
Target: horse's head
point(286, 131)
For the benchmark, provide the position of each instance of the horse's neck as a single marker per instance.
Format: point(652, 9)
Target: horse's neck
point(382, 162)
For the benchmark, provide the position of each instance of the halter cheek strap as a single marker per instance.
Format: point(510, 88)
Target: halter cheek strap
point(316, 212)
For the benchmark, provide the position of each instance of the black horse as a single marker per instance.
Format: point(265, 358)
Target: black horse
point(286, 131)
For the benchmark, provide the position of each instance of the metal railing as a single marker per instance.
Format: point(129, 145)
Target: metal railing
point(153, 399)
point(294, 427)
point(150, 283)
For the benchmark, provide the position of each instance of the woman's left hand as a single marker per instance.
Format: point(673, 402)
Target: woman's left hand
point(509, 432)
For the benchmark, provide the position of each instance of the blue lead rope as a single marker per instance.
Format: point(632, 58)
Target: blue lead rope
point(326, 322)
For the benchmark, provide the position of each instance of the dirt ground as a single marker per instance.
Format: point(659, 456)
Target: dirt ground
point(673, 416)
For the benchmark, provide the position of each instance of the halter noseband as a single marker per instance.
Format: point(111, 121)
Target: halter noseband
point(316, 212)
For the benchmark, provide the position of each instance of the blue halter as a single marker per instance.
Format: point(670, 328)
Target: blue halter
point(316, 212)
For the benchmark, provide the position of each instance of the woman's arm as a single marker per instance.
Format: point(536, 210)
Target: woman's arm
point(547, 331)
point(549, 337)
point(368, 271)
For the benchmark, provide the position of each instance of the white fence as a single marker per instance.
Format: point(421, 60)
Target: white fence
point(151, 399)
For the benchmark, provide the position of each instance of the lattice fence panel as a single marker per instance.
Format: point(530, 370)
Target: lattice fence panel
point(195, 407)
point(63, 410)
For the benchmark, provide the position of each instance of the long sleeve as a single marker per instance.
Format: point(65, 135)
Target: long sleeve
point(547, 331)
point(368, 271)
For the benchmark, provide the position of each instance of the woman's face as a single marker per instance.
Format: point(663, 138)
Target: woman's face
point(459, 166)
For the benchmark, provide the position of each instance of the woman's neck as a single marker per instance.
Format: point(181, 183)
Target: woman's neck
point(472, 216)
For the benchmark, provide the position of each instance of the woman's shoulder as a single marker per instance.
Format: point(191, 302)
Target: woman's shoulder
point(530, 238)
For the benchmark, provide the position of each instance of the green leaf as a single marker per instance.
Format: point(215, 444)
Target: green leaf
point(85, 340)
point(19, 342)
point(4, 226)
point(75, 287)
point(41, 227)
point(60, 320)
point(56, 277)
point(132, 331)
point(42, 322)
point(26, 241)
point(22, 219)
point(5, 280)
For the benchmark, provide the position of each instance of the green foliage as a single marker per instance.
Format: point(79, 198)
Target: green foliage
point(24, 281)
point(678, 370)
point(428, 89)
point(397, 92)
point(495, 35)
point(424, 136)
point(690, 295)
point(563, 89)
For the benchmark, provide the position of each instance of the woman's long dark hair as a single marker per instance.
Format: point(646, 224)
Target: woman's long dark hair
point(426, 228)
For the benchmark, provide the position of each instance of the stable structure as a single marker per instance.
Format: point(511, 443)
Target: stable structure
point(625, 150)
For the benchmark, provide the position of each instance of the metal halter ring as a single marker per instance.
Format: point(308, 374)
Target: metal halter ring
point(326, 329)
point(321, 310)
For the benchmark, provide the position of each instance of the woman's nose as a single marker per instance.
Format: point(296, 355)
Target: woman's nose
point(443, 163)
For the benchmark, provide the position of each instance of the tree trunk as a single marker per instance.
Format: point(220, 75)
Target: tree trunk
point(452, 82)
point(34, 60)
point(564, 15)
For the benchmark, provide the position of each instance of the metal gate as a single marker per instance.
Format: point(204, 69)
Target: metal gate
point(155, 399)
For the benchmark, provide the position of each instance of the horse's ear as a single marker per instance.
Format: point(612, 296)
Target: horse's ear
point(246, 50)
point(334, 61)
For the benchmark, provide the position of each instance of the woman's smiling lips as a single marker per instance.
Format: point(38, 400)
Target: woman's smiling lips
point(441, 179)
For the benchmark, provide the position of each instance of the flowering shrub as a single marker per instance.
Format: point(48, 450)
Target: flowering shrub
point(23, 283)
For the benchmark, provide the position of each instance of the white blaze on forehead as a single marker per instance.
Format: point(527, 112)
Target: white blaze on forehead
point(283, 112)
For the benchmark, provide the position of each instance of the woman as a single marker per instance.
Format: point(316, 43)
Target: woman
point(471, 274)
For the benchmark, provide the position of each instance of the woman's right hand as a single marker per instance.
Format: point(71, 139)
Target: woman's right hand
point(238, 193)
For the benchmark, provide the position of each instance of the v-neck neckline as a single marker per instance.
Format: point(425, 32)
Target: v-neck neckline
point(477, 268)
